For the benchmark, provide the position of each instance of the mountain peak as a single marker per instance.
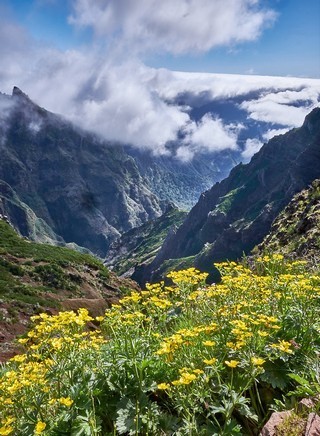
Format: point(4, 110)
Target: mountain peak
point(16, 92)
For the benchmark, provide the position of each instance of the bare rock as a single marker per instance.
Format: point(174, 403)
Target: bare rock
point(313, 425)
point(270, 428)
point(305, 404)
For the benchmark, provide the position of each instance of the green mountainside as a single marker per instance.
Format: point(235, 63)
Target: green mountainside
point(36, 278)
point(236, 214)
point(140, 245)
point(296, 231)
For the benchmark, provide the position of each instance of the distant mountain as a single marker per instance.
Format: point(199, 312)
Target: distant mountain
point(236, 214)
point(296, 230)
point(141, 244)
point(84, 190)
point(183, 182)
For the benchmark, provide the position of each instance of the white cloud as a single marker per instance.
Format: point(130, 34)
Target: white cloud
point(252, 146)
point(126, 101)
point(207, 136)
point(280, 108)
point(178, 26)
point(170, 84)
point(274, 132)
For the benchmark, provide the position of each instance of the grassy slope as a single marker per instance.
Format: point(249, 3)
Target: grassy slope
point(40, 277)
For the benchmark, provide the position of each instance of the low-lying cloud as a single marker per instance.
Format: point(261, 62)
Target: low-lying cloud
point(252, 146)
point(208, 135)
point(122, 99)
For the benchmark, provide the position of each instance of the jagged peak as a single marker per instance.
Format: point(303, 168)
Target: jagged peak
point(312, 119)
point(16, 92)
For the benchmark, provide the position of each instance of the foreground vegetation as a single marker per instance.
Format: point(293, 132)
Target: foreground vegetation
point(185, 359)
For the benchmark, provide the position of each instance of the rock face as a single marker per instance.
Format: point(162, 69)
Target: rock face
point(296, 231)
point(276, 419)
point(86, 191)
point(235, 214)
point(183, 182)
point(287, 422)
point(141, 244)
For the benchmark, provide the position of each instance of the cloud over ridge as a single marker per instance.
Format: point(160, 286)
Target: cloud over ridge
point(122, 99)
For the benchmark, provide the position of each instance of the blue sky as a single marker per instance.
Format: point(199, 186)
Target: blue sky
point(290, 45)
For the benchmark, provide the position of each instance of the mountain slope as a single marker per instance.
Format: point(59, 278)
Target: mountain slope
point(38, 277)
point(235, 214)
point(141, 244)
point(296, 230)
point(183, 182)
point(86, 190)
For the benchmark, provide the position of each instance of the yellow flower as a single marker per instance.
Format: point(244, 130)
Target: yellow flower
point(262, 333)
point(257, 361)
point(19, 358)
point(232, 363)
point(163, 386)
point(283, 346)
point(4, 431)
point(66, 401)
point(209, 343)
point(198, 371)
point(210, 361)
point(185, 379)
point(40, 427)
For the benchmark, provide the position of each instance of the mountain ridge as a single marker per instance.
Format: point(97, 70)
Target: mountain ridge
point(236, 213)
point(87, 191)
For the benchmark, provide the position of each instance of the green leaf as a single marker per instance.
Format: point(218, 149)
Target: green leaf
point(125, 416)
point(275, 374)
point(81, 427)
point(300, 380)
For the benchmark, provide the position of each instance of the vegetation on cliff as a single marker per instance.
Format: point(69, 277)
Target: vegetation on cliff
point(40, 277)
point(237, 213)
point(296, 231)
point(141, 244)
point(183, 359)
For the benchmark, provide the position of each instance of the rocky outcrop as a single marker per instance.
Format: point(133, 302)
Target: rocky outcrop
point(235, 214)
point(296, 231)
point(86, 190)
point(287, 423)
point(276, 420)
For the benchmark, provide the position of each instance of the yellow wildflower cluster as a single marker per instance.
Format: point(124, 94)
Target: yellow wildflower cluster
point(188, 277)
point(30, 378)
point(191, 338)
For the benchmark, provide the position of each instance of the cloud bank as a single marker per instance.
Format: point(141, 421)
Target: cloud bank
point(106, 87)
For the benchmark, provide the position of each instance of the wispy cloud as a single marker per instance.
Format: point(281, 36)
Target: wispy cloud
point(281, 107)
point(180, 26)
point(252, 146)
